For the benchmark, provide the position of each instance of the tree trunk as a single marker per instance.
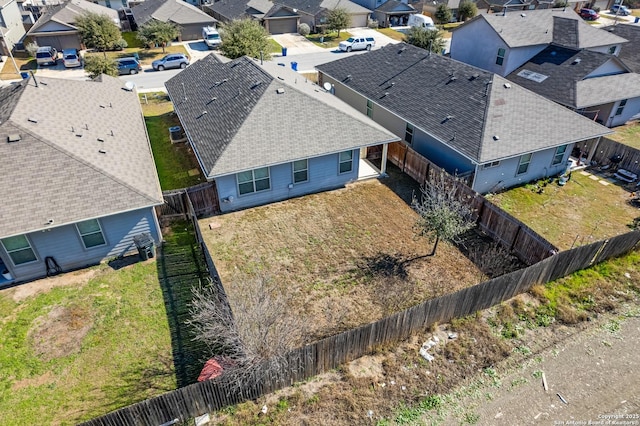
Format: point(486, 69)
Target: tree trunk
point(435, 246)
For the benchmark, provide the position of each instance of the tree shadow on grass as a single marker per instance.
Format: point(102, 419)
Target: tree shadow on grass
point(384, 265)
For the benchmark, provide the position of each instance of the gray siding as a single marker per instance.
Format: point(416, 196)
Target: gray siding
point(323, 175)
point(65, 245)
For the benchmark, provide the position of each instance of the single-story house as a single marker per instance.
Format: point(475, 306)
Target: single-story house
point(264, 133)
point(79, 182)
point(508, 40)
point(12, 28)
point(594, 84)
point(187, 17)
point(56, 26)
point(469, 121)
point(393, 13)
point(228, 10)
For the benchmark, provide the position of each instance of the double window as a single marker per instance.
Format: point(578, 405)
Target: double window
point(559, 155)
point(253, 181)
point(345, 161)
point(300, 171)
point(523, 165)
point(500, 58)
point(408, 134)
point(369, 109)
point(621, 107)
point(91, 233)
point(19, 249)
point(490, 165)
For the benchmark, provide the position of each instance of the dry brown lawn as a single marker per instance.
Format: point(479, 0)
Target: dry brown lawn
point(348, 257)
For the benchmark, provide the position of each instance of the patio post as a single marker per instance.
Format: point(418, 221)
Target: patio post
point(383, 162)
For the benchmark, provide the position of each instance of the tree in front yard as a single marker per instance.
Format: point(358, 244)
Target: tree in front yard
point(441, 213)
point(98, 32)
point(158, 33)
point(244, 37)
point(466, 10)
point(443, 14)
point(338, 19)
point(96, 65)
point(426, 39)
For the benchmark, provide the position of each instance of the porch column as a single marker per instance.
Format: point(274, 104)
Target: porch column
point(593, 150)
point(383, 160)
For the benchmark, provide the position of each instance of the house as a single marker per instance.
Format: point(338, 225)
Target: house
point(393, 13)
point(264, 133)
point(11, 29)
point(630, 52)
point(594, 84)
point(187, 17)
point(56, 26)
point(468, 121)
point(284, 16)
point(431, 7)
point(510, 39)
point(79, 182)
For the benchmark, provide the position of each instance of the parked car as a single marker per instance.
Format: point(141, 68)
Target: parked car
point(211, 37)
point(173, 60)
point(357, 43)
point(71, 58)
point(422, 21)
point(589, 14)
point(620, 10)
point(128, 65)
point(46, 55)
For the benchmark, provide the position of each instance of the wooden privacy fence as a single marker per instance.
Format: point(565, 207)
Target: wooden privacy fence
point(607, 148)
point(528, 245)
point(326, 354)
point(203, 197)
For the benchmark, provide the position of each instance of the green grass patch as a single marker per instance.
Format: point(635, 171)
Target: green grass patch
point(628, 134)
point(77, 351)
point(390, 32)
point(131, 37)
point(274, 46)
point(328, 40)
point(176, 164)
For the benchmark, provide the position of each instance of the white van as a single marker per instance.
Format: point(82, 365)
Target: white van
point(211, 37)
point(422, 21)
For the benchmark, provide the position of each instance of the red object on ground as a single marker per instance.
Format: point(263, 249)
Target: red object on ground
point(211, 370)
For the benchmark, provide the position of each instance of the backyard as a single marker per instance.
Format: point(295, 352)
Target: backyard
point(590, 207)
point(347, 257)
point(629, 134)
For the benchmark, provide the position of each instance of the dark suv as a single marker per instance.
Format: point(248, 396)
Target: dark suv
point(589, 14)
point(128, 65)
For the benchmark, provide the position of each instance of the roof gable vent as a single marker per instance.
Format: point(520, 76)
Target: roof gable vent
point(14, 137)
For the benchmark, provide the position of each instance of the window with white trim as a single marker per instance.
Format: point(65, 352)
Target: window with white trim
point(408, 134)
point(523, 164)
point(300, 171)
point(612, 50)
point(490, 165)
point(369, 109)
point(345, 161)
point(19, 249)
point(559, 155)
point(500, 58)
point(255, 180)
point(621, 107)
point(91, 233)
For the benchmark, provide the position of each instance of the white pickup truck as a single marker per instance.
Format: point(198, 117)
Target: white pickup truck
point(357, 43)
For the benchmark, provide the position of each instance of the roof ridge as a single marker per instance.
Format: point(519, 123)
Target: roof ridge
point(485, 114)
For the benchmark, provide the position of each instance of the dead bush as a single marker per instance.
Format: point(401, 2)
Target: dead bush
point(568, 314)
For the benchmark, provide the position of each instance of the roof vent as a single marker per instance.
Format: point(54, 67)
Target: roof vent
point(256, 84)
point(348, 77)
point(576, 61)
point(474, 76)
point(14, 137)
point(212, 100)
point(32, 120)
point(280, 91)
point(100, 140)
point(496, 137)
point(507, 86)
point(102, 151)
point(523, 15)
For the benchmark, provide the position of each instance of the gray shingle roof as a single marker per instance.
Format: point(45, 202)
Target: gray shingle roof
point(564, 68)
point(68, 12)
point(630, 53)
point(56, 171)
point(238, 9)
point(541, 26)
point(425, 89)
point(607, 89)
point(177, 11)
point(248, 124)
point(395, 6)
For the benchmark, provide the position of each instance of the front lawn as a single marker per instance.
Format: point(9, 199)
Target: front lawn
point(629, 134)
point(23, 61)
point(329, 40)
point(176, 164)
point(390, 32)
point(587, 209)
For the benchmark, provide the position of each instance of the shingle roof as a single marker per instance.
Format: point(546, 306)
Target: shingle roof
point(630, 53)
point(68, 12)
point(460, 105)
point(544, 26)
point(563, 69)
point(234, 9)
point(395, 6)
point(607, 89)
point(177, 11)
point(313, 7)
point(56, 170)
point(236, 120)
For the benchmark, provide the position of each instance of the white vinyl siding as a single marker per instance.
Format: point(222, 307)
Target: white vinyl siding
point(345, 161)
point(91, 233)
point(300, 171)
point(19, 249)
point(253, 181)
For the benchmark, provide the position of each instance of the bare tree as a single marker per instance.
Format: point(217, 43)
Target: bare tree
point(257, 336)
point(442, 214)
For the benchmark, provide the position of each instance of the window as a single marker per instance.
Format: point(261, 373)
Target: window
point(300, 171)
point(346, 161)
point(621, 107)
point(523, 165)
point(19, 249)
point(500, 58)
point(408, 134)
point(253, 181)
point(559, 155)
point(369, 109)
point(91, 233)
point(612, 50)
point(490, 165)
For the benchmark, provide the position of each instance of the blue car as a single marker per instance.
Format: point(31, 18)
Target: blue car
point(128, 65)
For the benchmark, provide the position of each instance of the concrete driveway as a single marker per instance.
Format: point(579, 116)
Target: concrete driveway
point(296, 44)
point(59, 71)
